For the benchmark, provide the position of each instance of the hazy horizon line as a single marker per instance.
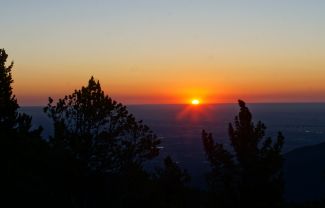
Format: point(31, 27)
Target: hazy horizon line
point(227, 103)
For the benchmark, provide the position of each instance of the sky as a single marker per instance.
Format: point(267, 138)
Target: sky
point(167, 51)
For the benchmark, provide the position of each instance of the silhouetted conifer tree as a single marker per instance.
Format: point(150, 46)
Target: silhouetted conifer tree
point(22, 150)
point(250, 175)
point(10, 119)
point(103, 138)
point(171, 174)
point(100, 131)
point(171, 180)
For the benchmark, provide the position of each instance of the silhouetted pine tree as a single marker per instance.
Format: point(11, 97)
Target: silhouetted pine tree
point(171, 181)
point(251, 174)
point(104, 139)
point(23, 152)
point(10, 119)
point(171, 175)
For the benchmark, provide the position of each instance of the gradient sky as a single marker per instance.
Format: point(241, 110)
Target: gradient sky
point(167, 51)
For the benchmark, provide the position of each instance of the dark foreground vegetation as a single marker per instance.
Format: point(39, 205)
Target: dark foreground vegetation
point(97, 154)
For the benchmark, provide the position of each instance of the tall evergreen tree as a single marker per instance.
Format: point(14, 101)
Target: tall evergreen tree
point(171, 181)
point(8, 102)
point(107, 143)
point(23, 151)
point(13, 124)
point(10, 119)
point(100, 131)
point(250, 175)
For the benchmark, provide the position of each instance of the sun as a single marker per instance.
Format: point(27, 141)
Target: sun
point(195, 102)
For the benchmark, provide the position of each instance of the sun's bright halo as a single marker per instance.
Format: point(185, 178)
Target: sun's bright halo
point(195, 102)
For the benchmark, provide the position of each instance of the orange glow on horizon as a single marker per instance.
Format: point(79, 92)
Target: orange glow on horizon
point(32, 89)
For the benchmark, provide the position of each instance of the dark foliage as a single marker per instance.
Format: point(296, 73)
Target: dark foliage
point(103, 139)
point(171, 181)
point(11, 121)
point(23, 152)
point(172, 175)
point(251, 174)
point(100, 132)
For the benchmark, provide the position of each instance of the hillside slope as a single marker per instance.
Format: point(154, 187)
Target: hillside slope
point(304, 173)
